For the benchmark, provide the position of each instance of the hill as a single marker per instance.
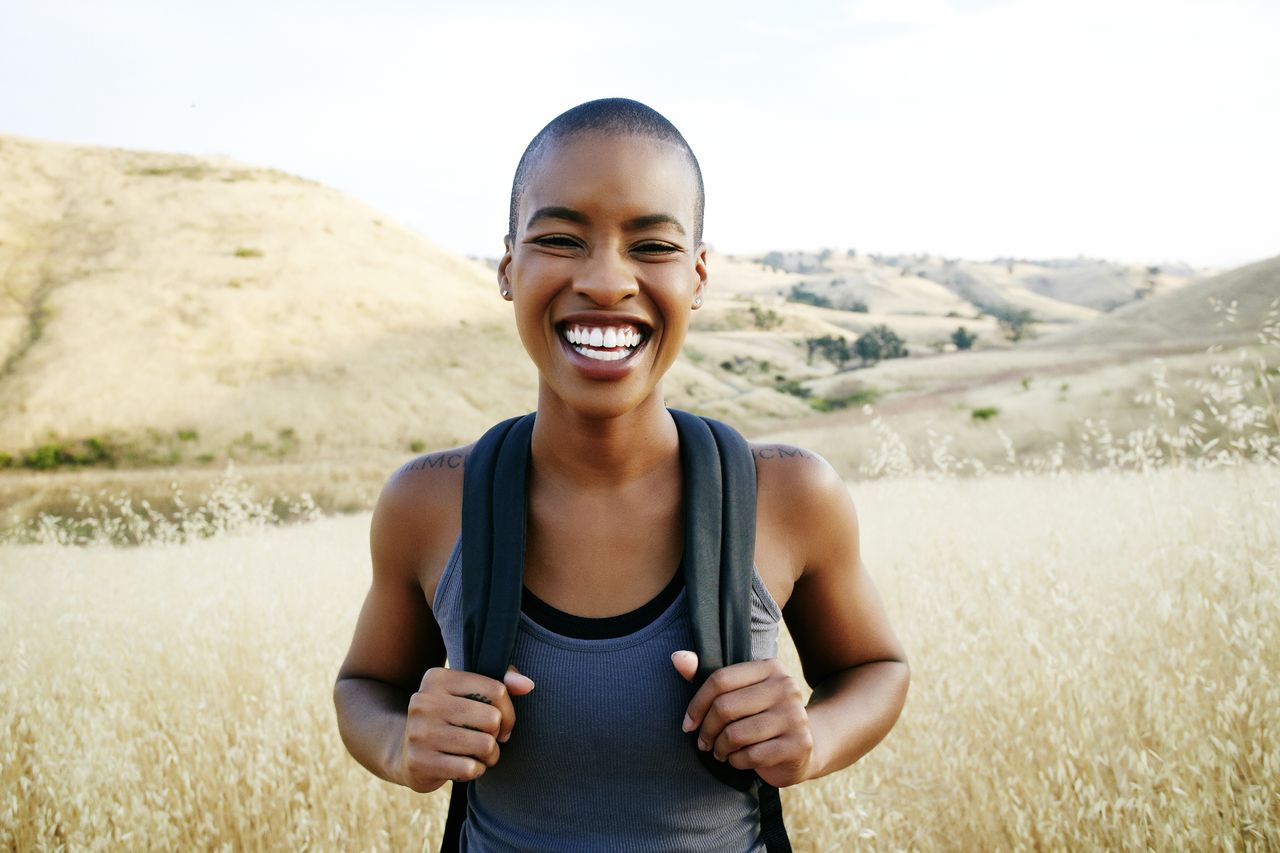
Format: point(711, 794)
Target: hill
point(197, 309)
point(1054, 291)
point(1186, 313)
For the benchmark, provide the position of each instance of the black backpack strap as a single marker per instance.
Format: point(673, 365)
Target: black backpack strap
point(494, 496)
point(719, 497)
point(494, 486)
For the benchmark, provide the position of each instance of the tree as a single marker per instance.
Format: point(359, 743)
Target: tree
point(776, 260)
point(765, 318)
point(962, 338)
point(1014, 322)
point(879, 342)
point(833, 349)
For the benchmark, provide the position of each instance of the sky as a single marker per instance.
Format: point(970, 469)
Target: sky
point(1135, 130)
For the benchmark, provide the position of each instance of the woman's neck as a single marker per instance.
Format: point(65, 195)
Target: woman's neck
point(588, 453)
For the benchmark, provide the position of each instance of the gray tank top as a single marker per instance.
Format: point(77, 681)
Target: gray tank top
point(597, 760)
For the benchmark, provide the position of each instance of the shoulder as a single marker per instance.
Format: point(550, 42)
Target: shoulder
point(807, 504)
point(418, 516)
point(794, 477)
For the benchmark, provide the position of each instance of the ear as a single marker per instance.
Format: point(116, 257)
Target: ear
point(504, 283)
point(700, 265)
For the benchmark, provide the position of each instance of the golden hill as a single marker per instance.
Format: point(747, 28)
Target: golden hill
point(1185, 314)
point(147, 296)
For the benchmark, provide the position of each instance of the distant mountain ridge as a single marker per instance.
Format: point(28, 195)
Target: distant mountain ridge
point(1054, 290)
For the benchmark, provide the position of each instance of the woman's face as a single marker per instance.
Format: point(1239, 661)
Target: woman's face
point(602, 269)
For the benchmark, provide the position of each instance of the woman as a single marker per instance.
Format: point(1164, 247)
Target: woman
point(604, 264)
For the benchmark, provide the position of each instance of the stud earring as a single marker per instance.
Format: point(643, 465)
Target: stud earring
point(697, 300)
point(506, 294)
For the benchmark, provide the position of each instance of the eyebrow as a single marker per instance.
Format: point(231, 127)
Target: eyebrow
point(638, 223)
point(651, 219)
point(566, 213)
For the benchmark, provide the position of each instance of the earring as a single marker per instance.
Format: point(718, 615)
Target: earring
point(506, 294)
point(697, 300)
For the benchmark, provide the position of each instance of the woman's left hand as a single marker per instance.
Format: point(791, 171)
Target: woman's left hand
point(753, 716)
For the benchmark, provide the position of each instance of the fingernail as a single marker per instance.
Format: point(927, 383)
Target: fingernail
point(504, 738)
point(702, 745)
point(687, 725)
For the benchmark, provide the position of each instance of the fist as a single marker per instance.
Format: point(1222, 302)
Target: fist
point(751, 715)
point(455, 724)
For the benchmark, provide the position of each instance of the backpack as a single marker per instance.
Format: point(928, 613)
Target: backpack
point(719, 505)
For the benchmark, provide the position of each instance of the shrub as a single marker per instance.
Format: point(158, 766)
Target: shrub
point(985, 413)
point(56, 454)
point(247, 252)
point(765, 318)
point(1014, 322)
point(793, 387)
point(861, 397)
point(834, 349)
point(879, 342)
point(962, 338)
point(806, 297)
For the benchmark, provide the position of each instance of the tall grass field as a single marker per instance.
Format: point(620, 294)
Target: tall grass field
point(1094, 661)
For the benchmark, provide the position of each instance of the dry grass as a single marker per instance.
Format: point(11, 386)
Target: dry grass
point(1094, 661)
point(1094, 655)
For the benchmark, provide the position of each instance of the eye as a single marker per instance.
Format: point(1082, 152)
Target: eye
point(654, 248)
point(557, 241)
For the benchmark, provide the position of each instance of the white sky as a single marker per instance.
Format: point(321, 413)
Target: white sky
point(1127, 129)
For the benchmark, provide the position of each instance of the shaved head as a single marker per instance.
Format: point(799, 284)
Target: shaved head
point(609, 117)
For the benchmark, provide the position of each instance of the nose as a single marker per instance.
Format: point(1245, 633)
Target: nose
point(605, 279)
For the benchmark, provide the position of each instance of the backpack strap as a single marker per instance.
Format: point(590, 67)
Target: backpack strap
point(494, 487)
point(719, 495)
point(719, 502)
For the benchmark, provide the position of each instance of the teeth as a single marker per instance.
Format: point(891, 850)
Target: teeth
point(604, 354)
point(619, 342)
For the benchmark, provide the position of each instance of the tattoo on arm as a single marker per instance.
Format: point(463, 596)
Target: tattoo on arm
point(782, 451)
point(444, 459)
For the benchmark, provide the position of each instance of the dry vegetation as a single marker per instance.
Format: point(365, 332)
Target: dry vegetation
point(1094, 657)
point(1094, 661)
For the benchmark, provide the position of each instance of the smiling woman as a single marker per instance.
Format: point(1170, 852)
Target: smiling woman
point(604, 264)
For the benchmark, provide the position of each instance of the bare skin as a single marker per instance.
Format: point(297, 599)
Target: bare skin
point(604, 530)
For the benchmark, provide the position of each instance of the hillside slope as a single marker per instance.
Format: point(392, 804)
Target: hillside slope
point(143, 294)
point(1186, 313)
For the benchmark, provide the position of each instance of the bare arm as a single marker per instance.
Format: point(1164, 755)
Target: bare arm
point(401, 713)
point(396, 637)
point(752, 714)
point(851, 656)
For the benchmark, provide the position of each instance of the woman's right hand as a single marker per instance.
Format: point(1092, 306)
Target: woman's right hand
point(455, 724)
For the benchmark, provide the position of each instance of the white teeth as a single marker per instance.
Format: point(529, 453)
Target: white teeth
point(603, 354)
point(619, 341)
